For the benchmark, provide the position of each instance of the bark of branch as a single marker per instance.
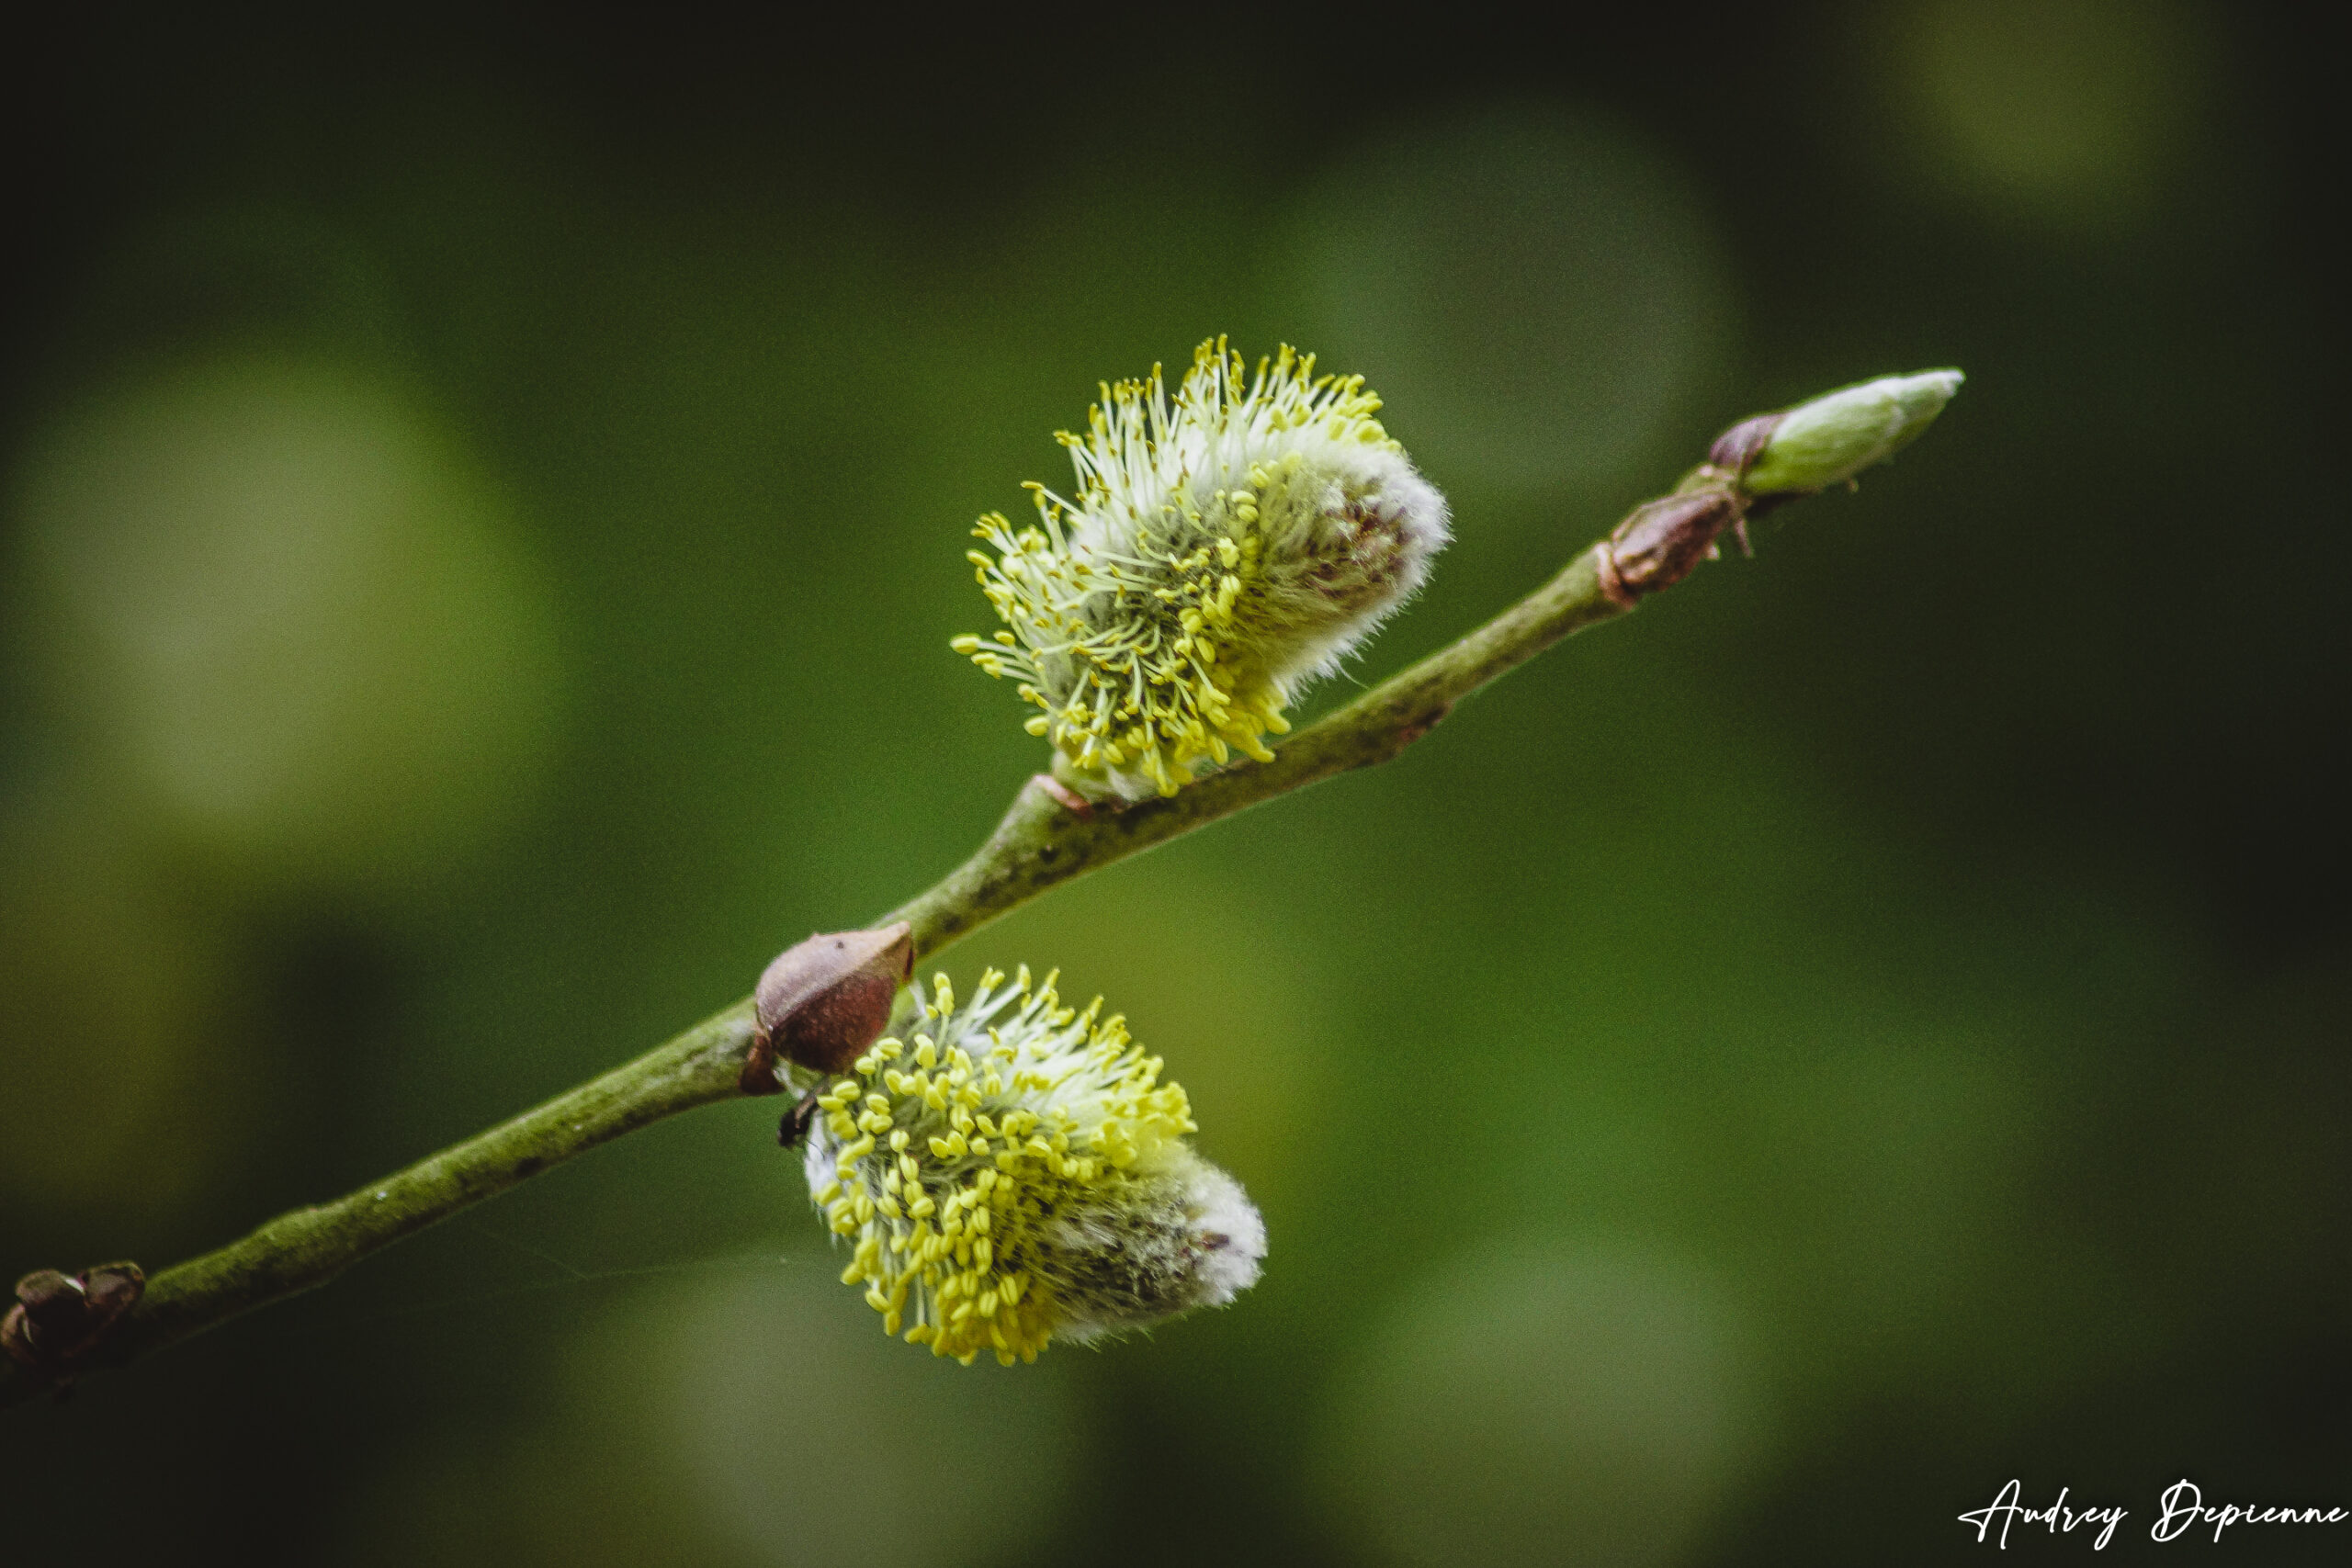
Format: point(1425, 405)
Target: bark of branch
point(1040, 843)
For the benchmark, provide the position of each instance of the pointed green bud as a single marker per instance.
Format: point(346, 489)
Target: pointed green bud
point(1837, 436)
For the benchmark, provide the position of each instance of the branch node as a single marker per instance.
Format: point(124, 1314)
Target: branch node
point(1077, 805)
point(1414, 728)
point(60, 1319)
point(1661, 541)
point(1612, 581)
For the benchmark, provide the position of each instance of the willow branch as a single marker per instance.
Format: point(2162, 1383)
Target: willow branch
point(1040, 844)
point(305, 1248)
point(1044, 840)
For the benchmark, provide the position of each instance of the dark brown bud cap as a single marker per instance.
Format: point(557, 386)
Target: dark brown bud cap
point(60, 1318)
point(823, 1001)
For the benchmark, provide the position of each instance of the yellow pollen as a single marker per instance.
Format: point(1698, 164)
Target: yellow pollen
point(948, 1223)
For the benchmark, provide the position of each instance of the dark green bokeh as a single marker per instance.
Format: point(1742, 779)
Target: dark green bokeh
point(1868, 1027)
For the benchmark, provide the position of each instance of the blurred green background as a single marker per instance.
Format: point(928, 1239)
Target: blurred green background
point(484, 508)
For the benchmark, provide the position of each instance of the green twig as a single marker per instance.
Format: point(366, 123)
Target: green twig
point(1041, 843)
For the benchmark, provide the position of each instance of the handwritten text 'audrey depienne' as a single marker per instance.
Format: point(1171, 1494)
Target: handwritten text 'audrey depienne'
point(2180, 1510)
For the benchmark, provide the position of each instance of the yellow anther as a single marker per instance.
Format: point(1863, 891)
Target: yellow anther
point(1068, 1096)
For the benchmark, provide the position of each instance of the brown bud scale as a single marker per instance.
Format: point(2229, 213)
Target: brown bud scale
point(1659, 545)
point(1736, 449)
point(823, 1001)
point(60, 1318)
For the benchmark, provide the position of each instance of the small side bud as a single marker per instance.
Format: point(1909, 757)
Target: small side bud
point(60, 1318)
point(823, 1001)
point(1664, 539)
point(1837, 436)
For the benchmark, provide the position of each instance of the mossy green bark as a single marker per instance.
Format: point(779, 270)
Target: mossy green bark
point(1040, 843)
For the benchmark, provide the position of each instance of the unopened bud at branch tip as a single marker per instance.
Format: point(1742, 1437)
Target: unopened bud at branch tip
point(1831, 438)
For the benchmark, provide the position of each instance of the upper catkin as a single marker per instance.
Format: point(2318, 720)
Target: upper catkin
point(1225, 545)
